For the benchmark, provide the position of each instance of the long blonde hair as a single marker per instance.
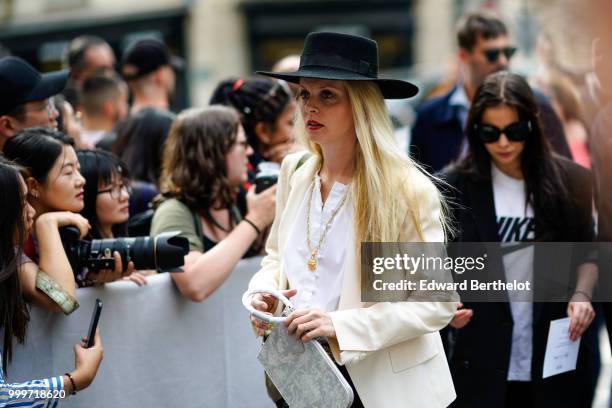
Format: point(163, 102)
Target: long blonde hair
point(387, 185)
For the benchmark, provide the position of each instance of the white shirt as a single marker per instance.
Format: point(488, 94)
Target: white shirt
point(320, 288)
point(515, 223)
point(460, 101)
point(91, 137)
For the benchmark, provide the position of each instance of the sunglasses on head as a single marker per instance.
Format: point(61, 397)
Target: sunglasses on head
point(515, 132)
point(492, 54)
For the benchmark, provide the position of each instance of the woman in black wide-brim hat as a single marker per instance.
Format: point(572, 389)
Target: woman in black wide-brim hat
point(354, 185)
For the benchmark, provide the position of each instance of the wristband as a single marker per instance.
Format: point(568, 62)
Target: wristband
point(584, 294)
point(252, 225)
point(74, 388)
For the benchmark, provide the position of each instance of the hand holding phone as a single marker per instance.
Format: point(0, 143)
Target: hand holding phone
point(93, 324)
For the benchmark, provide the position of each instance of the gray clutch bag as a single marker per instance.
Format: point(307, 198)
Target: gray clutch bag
point(303, 373)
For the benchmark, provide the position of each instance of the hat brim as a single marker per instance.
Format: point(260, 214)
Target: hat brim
point(390, 88)
point(50, 84)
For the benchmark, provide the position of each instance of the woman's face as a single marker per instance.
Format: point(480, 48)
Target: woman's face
point(112, 202)
point(63, 188)
point(237, 159)
point(326, 109)
point(28, 214)
point(504, 153)
point(283, 128)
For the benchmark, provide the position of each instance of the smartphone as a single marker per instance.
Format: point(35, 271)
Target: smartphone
point(264, 182)
point(93, 325)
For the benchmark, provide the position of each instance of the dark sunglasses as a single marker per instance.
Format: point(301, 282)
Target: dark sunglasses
point(515, 132)
point(492, 54)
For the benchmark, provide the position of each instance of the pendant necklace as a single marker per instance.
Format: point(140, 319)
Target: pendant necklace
point(312, 261)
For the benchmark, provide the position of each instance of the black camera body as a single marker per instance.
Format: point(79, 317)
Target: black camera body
point(267, 176)
point(164, 252)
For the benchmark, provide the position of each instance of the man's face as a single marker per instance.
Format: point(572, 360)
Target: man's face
point(122, 106)
point(98, 58)
point(35, 113)
point(168, 80)
point(39, 113)
point(486, 57)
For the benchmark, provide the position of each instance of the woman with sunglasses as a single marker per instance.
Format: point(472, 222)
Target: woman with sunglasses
point(106, 197)
point(353, 185)
point(511, 188)
point(55, 184)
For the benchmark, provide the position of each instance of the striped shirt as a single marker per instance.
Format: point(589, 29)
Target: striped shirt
point(30, 393)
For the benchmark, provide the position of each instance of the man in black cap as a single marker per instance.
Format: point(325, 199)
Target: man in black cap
point(148, 67)
point(26, 96)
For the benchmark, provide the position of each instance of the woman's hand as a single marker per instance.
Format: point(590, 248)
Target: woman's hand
point(261, 207)
point(581, 314)
point(138, 278)
point(110, 275)
point(307, 324)
point(64, 218)
point(86, 362)
point(462, 317)
point(265, 302)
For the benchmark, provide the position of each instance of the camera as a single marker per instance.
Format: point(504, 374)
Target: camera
point(164, 252)
point(267, 176)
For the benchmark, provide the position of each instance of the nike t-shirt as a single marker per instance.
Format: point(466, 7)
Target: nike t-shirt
point(515, 224)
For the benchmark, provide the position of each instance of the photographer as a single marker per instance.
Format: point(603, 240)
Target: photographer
point(204, 164)
point(107, 195)
point(54, 184)
point(15, 222)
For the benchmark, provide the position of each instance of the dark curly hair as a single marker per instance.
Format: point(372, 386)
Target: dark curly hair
point(194, 168)
point(258, 100)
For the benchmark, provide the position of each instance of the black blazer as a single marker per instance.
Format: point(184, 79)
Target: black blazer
point(479, 353)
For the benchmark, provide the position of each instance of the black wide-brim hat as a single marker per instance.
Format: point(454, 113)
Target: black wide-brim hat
point(344, 57)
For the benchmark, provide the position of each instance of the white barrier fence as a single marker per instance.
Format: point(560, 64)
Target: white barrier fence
point(160, 350)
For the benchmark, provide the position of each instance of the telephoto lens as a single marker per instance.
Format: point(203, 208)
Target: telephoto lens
point(267, 176)
point(164, 252)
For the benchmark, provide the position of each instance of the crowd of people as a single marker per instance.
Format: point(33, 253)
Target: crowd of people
point(100, 150)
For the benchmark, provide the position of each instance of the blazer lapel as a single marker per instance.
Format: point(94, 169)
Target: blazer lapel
point(483, 206)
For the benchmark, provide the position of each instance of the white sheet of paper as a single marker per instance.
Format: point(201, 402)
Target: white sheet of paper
point(561, 353)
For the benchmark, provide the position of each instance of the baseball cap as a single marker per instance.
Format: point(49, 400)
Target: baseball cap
point(145, 56)
point(20, 83)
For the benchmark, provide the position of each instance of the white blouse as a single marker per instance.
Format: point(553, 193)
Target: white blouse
point(320, 288)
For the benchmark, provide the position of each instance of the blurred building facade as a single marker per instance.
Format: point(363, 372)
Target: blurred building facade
point(221, 38)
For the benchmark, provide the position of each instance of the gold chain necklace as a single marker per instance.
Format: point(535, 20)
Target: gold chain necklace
point(312, 261)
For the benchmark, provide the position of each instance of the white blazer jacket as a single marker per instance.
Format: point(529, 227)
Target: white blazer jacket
point(392, 350)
